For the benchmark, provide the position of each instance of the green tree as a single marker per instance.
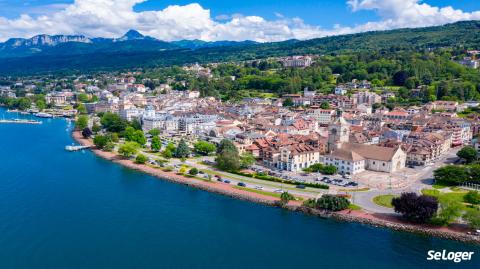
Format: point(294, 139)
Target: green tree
point(155, 144)
point(288, 102)
point(128, 149)
point(41, 105)
point(109, 146)
point(325, 105)
point(167, 153)
point(154, 132)
point(113, 123)
point(96, 128)
point(193, 171)
point(228, 158)
point(182, 150)
point(286, 197)
point(246, 160)
point(468, 153)
point(204, 148)
point(100, 141)
point(472, 217)
point(472, 197)
point(141, 159)
point(82, 122)
point(82, 109)
point(451, 174)
point(332, 202)
point(449, 212)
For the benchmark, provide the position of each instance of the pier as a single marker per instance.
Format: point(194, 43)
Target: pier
point(20, 121)
point(76, 148)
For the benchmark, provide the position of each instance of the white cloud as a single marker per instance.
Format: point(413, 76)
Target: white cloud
point(112, 18)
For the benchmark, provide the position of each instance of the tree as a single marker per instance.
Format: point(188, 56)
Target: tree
point(155, 144)
point(325, 105)
point(101, 141)
point(468, 153)
point(472, 197)
point(82, 122)
point(96, 128)
point(400, 78)
point(246, 160)
point(82, 109)
point(131, 134)
point(86, 132)
point(204, 148)
point(109, 146)
point(288, 102)
point(451, 174)
point(154, 132)
point(167, 153)
point(113, 123)
point(182, 150)
point(472, 217)
point(128, 149)
point(332, 202)
point(286, 197)
point(193, 171)
point(449, 212)
point(136, 124)
point(182, 169)
point(227, 157)
point(419, 209)
point(141, 159)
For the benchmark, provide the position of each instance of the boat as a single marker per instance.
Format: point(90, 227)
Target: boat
point(43, 115)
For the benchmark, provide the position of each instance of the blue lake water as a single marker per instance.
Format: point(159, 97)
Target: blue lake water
point(75, 210)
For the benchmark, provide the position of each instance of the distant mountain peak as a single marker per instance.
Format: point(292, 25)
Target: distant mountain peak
point(133, 35)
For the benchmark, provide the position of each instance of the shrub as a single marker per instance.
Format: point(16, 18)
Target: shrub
point(472, 197)
point(332, 203)
point(141, 159)
point(193, 171)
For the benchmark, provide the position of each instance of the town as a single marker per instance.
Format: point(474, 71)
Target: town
point(351, 139)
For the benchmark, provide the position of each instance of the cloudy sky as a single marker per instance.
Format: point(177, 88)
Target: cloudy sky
point(259, 20)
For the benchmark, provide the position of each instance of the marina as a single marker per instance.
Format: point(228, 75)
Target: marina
point(20, 121)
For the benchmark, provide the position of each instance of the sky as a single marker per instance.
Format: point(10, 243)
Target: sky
point(210, 20)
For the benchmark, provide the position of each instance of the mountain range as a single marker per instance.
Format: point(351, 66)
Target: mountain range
point(53, 54)
point(79, 44)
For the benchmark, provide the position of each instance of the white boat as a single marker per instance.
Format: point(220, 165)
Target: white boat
point(43, 115)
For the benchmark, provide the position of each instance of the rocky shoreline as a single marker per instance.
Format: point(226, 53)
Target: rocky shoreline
point(227, 190)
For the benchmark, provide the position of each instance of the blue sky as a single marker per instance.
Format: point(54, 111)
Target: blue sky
point(318, 12)
point(259, 20)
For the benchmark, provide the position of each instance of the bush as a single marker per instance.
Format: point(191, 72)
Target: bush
point(193, 171)
point(285, 198)
point(332, 203)
point(141, 159)
point(262, 176)
point(472, 197)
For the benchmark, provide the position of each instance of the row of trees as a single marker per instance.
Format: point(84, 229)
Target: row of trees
point(428, 209)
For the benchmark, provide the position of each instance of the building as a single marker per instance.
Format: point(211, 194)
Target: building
point(323, 116)
point(297, 61)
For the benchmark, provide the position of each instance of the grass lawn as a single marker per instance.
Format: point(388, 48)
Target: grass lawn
point(276, 195)
point(457, 195)
point(354, 207)
point(384, 200)
point(439, 185)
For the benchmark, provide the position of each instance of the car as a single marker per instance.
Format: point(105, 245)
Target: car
point(219, 179)
point(278, 191)
point(328, 181)
point(347, 176)
point(411, 166)
point(241, 184)
point(353, 184)
point(325, 178)
point(300, 186)
point(227, 181)
point(258, 187)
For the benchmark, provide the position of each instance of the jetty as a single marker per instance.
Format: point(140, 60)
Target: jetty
point(76, 148)
point(20, 121)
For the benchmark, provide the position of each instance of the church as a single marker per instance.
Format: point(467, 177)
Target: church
point(352, 158)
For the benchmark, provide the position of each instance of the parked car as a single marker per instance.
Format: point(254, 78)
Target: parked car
point(258, 187)
point(227, 181)
point(241, 184)
point(219, 179)
point(300, 186)
point(278, 191)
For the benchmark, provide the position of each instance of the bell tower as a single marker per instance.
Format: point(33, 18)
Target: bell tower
point(338, 132)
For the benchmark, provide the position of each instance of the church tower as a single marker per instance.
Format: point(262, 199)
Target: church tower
point(338, 132)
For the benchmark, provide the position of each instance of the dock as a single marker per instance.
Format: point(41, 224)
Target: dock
point(20, 121)
point(76, 148)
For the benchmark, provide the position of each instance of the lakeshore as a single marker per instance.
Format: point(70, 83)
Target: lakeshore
point(376, 220)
